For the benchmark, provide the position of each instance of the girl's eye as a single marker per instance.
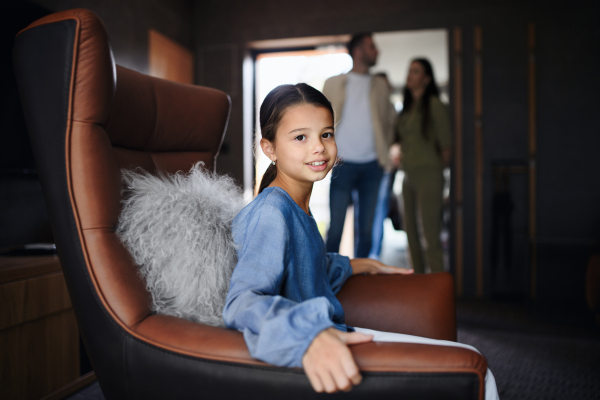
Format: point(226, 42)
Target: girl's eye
point(300, 138)
point(327, 135)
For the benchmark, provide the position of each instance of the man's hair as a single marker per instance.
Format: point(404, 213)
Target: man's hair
point(356, 41)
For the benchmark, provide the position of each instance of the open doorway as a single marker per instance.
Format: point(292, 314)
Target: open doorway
point(313, 64)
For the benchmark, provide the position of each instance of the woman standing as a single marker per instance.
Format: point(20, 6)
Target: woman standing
point(425, 149)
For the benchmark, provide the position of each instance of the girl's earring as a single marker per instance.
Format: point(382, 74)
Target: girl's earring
point(273, 162)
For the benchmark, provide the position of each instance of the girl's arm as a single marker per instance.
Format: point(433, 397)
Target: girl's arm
point(328, 362)
point(338, 270)
point(276, 330)
point(373, 267)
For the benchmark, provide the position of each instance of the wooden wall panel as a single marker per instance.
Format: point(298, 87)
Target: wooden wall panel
point(457, 174)
point(479, 162)
point(168, 59)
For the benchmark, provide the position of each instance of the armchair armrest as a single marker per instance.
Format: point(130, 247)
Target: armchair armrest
point(390, 370)
point(420, 305)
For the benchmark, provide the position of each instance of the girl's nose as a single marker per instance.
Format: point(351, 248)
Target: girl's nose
point(319, 148)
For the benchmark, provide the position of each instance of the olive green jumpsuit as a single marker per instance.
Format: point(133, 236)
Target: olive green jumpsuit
point(423, 180)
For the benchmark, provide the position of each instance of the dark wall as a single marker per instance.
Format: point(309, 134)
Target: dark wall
point(568, 180)
point(568, 189)
point(23, 217)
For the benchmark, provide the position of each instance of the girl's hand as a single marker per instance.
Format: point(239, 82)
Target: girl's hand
point(370, 266)
point(328, 362)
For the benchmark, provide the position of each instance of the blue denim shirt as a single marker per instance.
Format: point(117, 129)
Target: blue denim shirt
point(282, 291)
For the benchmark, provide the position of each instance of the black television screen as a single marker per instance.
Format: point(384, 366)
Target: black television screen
point(23, 216)
point(15, 150)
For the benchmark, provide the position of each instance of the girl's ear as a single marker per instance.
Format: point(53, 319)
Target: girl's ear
point(268, 148)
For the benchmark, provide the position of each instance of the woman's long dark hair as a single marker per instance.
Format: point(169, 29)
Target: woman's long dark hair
point(430, 90)
point(275, 105)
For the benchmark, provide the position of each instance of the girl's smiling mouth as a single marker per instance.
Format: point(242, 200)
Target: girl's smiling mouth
point(319, 165)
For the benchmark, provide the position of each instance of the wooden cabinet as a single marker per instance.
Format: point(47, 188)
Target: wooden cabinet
point(39, 339)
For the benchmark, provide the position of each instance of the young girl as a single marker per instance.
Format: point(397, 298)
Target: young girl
point(282, 291)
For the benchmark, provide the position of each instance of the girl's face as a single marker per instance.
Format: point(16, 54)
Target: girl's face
point(304, 148)
point(417, 78)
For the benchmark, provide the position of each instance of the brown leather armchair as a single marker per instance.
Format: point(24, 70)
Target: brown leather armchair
point(88, 118)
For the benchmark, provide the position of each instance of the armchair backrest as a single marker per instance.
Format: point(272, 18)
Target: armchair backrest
point(87, 119)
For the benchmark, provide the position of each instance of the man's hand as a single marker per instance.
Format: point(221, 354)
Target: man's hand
point(369, 266)
point(328, 362)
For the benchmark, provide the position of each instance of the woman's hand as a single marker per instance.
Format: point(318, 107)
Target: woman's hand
point(446, 157)
point(328, 362)
point(395, 154)
point(370, 266)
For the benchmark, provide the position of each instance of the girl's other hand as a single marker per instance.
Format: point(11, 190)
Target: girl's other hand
point(370, 266)
point(328, 362)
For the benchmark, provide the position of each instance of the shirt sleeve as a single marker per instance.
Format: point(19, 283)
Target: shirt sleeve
point(338, 270)
point(441, 123)
point(276, 330)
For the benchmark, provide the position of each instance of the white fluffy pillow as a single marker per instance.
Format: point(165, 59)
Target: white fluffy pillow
point(178, 230)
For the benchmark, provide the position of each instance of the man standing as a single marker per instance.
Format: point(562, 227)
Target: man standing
point(364, 134)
